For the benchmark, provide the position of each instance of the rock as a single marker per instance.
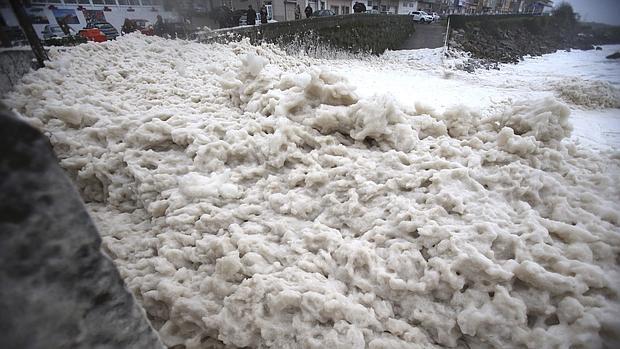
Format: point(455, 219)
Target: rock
point(57, 289)
point(584, 46)
point(614, 55)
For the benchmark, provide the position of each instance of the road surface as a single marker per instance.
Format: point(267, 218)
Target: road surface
point(426, 36)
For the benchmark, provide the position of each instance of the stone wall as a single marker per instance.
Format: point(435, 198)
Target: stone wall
point(368, 33)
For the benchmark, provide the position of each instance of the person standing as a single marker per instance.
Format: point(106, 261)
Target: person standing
point(250, 16)
point(297, 12)
point(128, 27)
point(263, 14)
point(159, 26)
point(308, 11)
point(359, 7)
point(64, 26)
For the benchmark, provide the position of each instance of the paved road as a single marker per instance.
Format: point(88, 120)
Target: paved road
point(426, 36)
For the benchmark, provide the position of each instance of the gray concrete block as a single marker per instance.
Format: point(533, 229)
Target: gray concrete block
point(57, 290)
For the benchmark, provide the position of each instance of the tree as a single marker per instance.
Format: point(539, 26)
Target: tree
point(564, 14)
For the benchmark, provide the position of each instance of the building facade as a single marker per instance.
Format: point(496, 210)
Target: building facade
point(340, 7)
point(406, 6)
point(78, 13)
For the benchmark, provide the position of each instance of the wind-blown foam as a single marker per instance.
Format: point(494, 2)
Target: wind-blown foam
point(254, 198)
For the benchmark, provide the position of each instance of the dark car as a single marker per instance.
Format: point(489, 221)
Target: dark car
point(235, 17)
point(177, 30)
point(323, 13)
point(106, 28)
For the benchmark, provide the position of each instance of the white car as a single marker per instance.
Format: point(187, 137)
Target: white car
point(52, 31)
point(421, 16)
point(436, 17)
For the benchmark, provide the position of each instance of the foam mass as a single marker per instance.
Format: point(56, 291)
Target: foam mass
point(253, 198)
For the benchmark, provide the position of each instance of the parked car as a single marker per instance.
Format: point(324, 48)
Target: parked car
point(177, 29)
point(52, 31)
point(106, 28)
point(323, 13)
point(234, 18)
point(144, 26)
point(243, 19)
point(421, 16)
point(92, 34)
point(436, 17)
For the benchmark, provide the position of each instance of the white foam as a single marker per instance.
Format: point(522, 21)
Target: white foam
point(260, 200)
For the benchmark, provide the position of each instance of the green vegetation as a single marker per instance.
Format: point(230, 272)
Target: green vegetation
point(565, 15)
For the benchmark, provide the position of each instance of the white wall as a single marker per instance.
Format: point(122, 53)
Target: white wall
point(340, 4)
point(278, 7)
point(406, 6)
point(8, 16)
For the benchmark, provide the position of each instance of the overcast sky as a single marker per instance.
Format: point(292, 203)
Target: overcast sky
point(603, 11)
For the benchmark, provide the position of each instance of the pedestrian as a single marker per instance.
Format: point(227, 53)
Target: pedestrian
point(359, 7)
point(158, 28)
point(308, 11)
point(297, 12)
point(250, 16)
point(263, 14)
point(129, 26)
point(64, 26)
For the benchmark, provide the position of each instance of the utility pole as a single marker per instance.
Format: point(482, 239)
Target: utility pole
point(33, 39)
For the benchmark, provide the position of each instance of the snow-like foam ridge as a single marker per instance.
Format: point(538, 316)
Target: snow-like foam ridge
point(589, 94)
point(254, 198)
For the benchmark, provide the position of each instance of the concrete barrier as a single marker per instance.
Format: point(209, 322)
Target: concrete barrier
point(57, 289)
point(14, 63)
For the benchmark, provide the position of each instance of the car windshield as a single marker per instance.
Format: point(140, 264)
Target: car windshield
point(355, 175)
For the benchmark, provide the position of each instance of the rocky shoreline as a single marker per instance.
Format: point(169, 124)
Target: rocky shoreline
point(508, 40)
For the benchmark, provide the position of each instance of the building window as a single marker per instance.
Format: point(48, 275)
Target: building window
point(345, 10)
point(123, 2)
point(335, 9)
point(146, 2)
point(70, 1)
point(84, 2)
point(97, 2)
point(134, 2)
point(110, 2)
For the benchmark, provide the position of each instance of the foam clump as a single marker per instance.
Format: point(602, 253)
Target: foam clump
point(588, 94)
point(263, 203)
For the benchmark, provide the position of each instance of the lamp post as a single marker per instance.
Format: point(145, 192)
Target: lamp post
point(31, 35)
